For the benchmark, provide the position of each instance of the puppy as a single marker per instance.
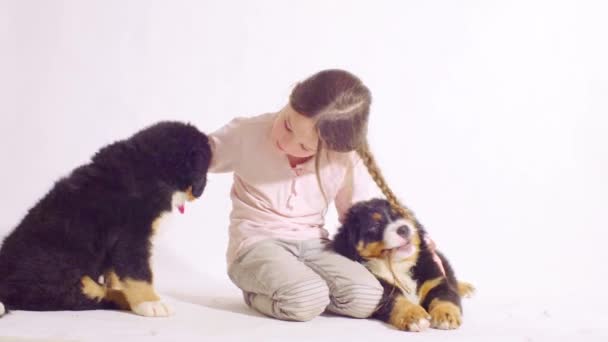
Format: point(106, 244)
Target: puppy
point(420, 288)
point(97, 223)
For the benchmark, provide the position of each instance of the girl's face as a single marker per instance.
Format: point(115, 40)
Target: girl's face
point(294, 134)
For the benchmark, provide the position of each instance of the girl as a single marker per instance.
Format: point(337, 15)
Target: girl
point(287, 167)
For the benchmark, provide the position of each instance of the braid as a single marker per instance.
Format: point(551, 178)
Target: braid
point(374, 171)
point(318, 172)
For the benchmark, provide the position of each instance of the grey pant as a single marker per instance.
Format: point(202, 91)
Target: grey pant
point(298, 280)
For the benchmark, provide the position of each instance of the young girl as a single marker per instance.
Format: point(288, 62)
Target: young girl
point(287, 167)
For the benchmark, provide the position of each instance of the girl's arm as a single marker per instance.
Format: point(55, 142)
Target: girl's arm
point(225, 146)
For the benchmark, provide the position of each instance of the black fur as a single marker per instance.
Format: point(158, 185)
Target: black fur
point(99, 218)
point(361, 228)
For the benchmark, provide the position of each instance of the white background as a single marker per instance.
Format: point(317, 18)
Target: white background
point(489, 117)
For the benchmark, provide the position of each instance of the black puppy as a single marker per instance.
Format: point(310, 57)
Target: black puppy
point(420, 288)
point(97, 223)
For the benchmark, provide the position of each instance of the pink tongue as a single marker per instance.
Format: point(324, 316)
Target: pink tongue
point(181, 208)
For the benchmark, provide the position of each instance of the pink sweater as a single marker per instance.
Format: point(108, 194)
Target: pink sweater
point(271, 199)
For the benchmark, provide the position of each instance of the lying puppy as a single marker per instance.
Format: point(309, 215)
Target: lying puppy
point(98, 221)
point(420, 288)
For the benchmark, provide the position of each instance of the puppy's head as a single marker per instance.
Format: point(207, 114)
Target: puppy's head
point(372, 229)
point(181, 155)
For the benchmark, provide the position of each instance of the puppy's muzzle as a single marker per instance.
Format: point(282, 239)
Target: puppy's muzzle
point(196, 190)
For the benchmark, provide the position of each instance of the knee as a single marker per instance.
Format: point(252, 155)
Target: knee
point(358, 301)
point(303, 301)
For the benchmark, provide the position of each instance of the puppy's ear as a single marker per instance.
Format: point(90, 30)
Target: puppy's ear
point(198, 159)
point(346, 240)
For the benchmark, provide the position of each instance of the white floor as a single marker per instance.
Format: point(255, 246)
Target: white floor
point(213, 311)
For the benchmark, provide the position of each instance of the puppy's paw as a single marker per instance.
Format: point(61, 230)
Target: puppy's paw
point(445, 315)
point(410, 317)
point(153, 309)
point(421, 325)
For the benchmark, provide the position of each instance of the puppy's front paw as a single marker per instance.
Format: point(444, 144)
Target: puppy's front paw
point(153, 309)
point(409, 316)
point(445, 315)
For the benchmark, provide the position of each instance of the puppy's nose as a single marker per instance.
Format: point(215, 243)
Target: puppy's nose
point(197, 190)
point(403, 231)
point(198, 187)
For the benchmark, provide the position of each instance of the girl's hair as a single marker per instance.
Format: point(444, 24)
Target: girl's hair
point(339, 103)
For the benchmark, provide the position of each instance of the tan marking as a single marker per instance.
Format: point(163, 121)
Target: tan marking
point(114, 290)
point(427, 286)
point(405, 314)
point(415, 241)
point(112, 280)
point(117, 297)
point(370, 250)
point(190, 195)
point(91, 289)
point(444, 315)
point(465, 289)
point(137, 292)
point(377, 217)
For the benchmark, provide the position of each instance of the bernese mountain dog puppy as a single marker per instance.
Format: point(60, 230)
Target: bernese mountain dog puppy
point(97, 224)
point(420, 288)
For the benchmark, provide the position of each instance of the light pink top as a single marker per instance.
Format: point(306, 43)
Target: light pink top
point(270, 199)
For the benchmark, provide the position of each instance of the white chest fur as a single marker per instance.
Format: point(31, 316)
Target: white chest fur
point(380, 268)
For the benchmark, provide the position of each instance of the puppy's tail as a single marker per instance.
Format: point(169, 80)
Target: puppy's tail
point(465, 289)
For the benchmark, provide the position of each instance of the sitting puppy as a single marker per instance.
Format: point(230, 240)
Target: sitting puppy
point(420, 288)
point(97, 223)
